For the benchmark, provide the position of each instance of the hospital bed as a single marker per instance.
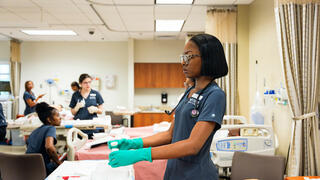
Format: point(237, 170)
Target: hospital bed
point(78, 150)
point(25, 126)
point(91, 170)
point(31, 122)
point(251, 138)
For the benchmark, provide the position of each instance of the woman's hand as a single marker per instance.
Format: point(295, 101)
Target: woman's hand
point(126, 144)
point(93, 109)
point(41, 95)
point(51, 150)
point(128, 157)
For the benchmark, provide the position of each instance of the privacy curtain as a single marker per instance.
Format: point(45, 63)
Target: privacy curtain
point(298, 25)
point(222, 23)
point(15, 65)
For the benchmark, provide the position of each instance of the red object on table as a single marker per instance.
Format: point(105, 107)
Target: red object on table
point(19, 116)
point(67, 177)
point(143, 170)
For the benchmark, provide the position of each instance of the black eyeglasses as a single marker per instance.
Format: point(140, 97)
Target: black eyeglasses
point(185, 58)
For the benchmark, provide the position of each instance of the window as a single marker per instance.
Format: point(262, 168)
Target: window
point(5, 89)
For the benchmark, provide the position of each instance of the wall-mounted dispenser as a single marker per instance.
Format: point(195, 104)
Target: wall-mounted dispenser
point(164, 98)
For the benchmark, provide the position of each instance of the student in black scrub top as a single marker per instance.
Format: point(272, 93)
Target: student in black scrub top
point(75, 86)
point(3, 126)
point(43, 139)
point(29, 98)
point(198, 116)
point(86, 103)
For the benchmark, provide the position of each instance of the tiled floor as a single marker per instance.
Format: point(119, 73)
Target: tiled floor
point(13, 149)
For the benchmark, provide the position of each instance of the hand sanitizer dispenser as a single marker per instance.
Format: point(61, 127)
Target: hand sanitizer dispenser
point(164, 98)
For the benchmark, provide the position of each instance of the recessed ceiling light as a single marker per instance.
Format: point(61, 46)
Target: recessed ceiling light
point(49, 32)
point(174, 1)
point(169, 25)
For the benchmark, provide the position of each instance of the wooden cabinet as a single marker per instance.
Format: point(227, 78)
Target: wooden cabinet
point(148, 119)
point(158, 75)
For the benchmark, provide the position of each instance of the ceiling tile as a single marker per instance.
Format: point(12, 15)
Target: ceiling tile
point(78, 16)
point(50, 19)
point(8, 17)
point(60, 4)
point(31, 14)
point(111, 17)
point(172, 12)
point(69, 14)
point(139, 18)
point(16, 3)
point(102, 1)
point(196, 20)
point(89, 13)
point(215, 2)
point(138, 2)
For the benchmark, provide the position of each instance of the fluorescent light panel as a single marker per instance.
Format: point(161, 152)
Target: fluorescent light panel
point(174, 1)
point(49, 32)
point(169, 25)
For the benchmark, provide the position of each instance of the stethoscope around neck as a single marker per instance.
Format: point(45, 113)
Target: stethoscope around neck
point(195, 111)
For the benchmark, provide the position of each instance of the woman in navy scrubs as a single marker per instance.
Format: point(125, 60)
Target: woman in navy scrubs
point(29, 98)
point(86, 103)
point(3, 126)
point(198, 116)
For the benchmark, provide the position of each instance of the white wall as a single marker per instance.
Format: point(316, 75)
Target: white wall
point(243, 59)
point(263, 46)
point(157, 51)
point(4, 50)
point(67, 60)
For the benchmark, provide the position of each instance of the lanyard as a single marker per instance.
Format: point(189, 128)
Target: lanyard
point(195, 111)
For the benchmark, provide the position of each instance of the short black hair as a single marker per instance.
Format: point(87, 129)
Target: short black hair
point(44, 111)
point(214, 62)
point(83, 77)
point(75, 84)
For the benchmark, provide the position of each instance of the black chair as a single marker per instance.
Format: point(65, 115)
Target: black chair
point(254, 166)
point(22, 167)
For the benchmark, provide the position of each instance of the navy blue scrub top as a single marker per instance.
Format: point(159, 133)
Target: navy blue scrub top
point(94, 99)
point(2, 118)
point(37, 140)
point(27, 96)
point(212, 105)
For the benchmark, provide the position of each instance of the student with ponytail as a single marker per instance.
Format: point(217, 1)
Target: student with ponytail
point(43, 139)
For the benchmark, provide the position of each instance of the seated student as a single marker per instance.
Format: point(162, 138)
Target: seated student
point(3, 126)
point(43, 139)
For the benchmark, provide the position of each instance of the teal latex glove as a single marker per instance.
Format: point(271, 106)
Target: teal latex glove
point(126, 144)
point(128, 157)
